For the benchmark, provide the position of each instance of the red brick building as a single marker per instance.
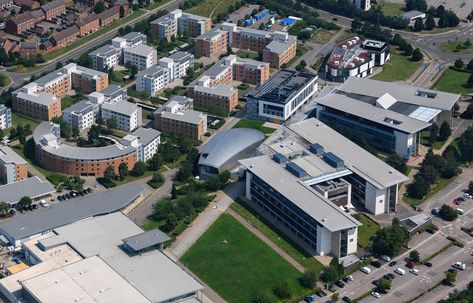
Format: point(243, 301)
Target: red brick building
point(53, 9)
point(88, 24)
point(108, 16)
point(29, 49)
point(20, 23)
point(66, 36)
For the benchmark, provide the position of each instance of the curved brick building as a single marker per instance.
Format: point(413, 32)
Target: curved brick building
point(83, 161)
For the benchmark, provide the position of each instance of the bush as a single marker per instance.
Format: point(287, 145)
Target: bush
point(282, 291)
point(448, 213)
point(57, 179)
point(107, 183)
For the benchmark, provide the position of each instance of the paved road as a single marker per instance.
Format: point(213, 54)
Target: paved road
point(18, 78)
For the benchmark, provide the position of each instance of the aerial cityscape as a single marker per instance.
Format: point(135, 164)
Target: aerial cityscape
point(240, 151)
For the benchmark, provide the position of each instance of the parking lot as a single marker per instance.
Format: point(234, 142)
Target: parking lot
point(461, 8)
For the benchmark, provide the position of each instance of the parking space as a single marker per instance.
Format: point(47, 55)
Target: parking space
point(461, 8)
point(242, 12)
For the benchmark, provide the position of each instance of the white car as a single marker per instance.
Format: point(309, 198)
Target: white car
point(400, 271)
point(350, 278)
point(376, 295)
point(365, 269)
point(43, 203)
point(467, 195)
point(385, 258)
point(414, 271)
point(459, 265)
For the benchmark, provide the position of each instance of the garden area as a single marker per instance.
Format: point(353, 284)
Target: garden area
point(258, 125)
point(68, 101)
point(455, 81)
point(457, 47)
point(248, 54)
point(241, 267)
point(367, 231)
point(391, 8)
point(399, 67)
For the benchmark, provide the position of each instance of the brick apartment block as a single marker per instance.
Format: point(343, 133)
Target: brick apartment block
point(53, 9)
point(88, 24)
point(41, 106)
point(179, 23)
point(220, 96)
point(28, 5)
point(20, 23)
point(212, 43)
point(108, 16)
point(65, 37)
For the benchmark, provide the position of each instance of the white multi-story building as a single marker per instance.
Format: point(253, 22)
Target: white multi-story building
point(182, 61)
point(5, 117)
point(128, 115)
point(362, 4)
point(80, 115)
point(142, 56)
point(146, 142)
point(107, 56)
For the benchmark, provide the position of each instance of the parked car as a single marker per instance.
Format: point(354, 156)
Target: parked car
point(431, 231)
point(59, 198)
point(389, 276)
point(346, 299)
point(34, 206)
point(385, 258)
point(321, 293)
point(43, 203)
point(376, 295)
point(89, 190)
point(459, 265)
point(310, 298)
point(467, 195)
point(365, 269)
point(411, 264)
point(340, 284)
point(456, 202)
point(461, 199)
point(400, 271)
point(452, 270)
point(375, 282)
point(428, 264)
point(12, 212)
point(434, 211)
point(348, 278)
point(392, 263)
point(414, 271)
point(376, 264)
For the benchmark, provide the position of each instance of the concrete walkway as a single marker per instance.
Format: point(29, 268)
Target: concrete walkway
point(266, 240)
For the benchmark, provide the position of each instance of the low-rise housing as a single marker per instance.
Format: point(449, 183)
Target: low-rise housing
point(142, 56)
point(12, 167)
point(177, 116)
point(146, 142)
point(88, 24)
point(249, 70)
point(29, 49)
point(65, 37)
point(5, 117)
point(109, 15)
point(281, 96)
point(212, 44)
point(223, 97)
point(53, 9)
point(31, 187)
point(354, 57)
point(179, 23)
point(20, 23)
point(28, 5)
point(388, 116)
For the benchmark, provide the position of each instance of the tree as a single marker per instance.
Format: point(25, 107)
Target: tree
point(99, 7)
point(173, 192)
point(123, 170)
point(122, 12)
point(470, 187)
point(429, 173)
point(465, 145)
point(429, 23)
point(139, 169)
point(109, 173)
point(418, 25)
point(112, 123)
point(4, 58)
point(467, 43)
point(469, 82)
point(4, 207)
point(417, 55)
point(384, 285)
point(448, 213)
point(66, 131)
point(451, 278)
point(397, 39)
point(261, 297)
point(397, 162)
point(309, 279)
point(445, 131)
point(155, 162)
point(282, 291)
point(330, 274)
point(414, 255)
point(25, 202)
point(335, 297)
point(356, 24)
point(59, 65)
point(459, 63)
point(185, 171)
point(434, 132)
point(388, 240)
point(470, 66)
point(171, 222)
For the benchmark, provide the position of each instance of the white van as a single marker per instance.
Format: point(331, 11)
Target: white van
point(400, 271)
point(459, 265)
point(459, 211)
point(366, 270)
point(43, 203)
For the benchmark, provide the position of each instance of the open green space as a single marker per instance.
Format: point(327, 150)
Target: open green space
point(238, 265)
point(398, 68)
point(457, 47)
point(211, 8)
point(256, 125)
point(454, 81)
point(425, 140)
point(441, 183)
point(275, 235)
point(367, 231)
point(68, 101)
point(119, 23)
point(248, 54)
point(19, 119)
point(322, 36)
point(391, 8)
point(27, 152)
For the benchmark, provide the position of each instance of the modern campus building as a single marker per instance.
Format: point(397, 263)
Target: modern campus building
point(57, 156)
point(142, 56)
point(127, 114)
point(386, 115)
point(154, 79)
point(12, 167)
point(146, 142)
point(281, 96)
point(362, 4)
point(212, 44)
point(80, 116)
point(5, 117)
point(33, 187)
point(220, 96)
point(41, 106)
point(177, 116)
point(355, 57)
point(248, 70)
point(178, 23)
point(223, 150)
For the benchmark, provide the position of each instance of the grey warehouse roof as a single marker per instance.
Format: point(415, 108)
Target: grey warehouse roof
point(147, 239)
point(225, 145)
point(61, 214)
point(32, 187)
point(356, 159)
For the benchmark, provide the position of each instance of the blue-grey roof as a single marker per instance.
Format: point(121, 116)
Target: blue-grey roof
point(145, 240)
point(68, 212)
point(32, 187)
point(225, 145)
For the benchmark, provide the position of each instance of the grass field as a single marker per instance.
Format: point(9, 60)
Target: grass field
point(390, 8)
point(457, 47)
point(398, 68)
point(454, 82)
point(248, 54)
point(211, 8)
point(322, 36)
point(366, 231)
point(256, 125)
point(280, 239)
point(238, 265)
point(19, 119)
point(67, 101)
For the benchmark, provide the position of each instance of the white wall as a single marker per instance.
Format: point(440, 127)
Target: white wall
point(403, 141)
point(352, 241)
point(375, 199)
point(324, 241)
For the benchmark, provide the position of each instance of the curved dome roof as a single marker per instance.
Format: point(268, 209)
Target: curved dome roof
point(225, 145)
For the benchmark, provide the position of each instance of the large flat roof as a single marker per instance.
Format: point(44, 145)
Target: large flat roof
point(153, 274)
point(68, 212)
point(32, 187)
point(7, 155)
point(402, 92)
point(140, 50)
point(356, 159)
point(373, 113)
point(147, 239)
point(42, 98)
point(123, 107)
point(303, 196)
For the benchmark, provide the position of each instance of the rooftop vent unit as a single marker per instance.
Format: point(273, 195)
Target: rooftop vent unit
point(333, 160)
point(279, 158)
point(316, 148)
point(425, 94)
point(294, 169)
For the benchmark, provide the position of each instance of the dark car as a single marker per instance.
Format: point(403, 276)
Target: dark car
point(428, 264)
point(411, 264)
point(376, 264)
point(334, 19)
point(431, 231)
point(68, 196)
point(452, 270)
point(346, 299)
point(389, 276)
point(375, 282)
point(12, 212)
point(386, 277)
point(34, 206)
point(59, 198)
point(392, 263)
point(81, 193)
point(340, 284)
point(73, 193)
point(321, 293)
point(89, 190)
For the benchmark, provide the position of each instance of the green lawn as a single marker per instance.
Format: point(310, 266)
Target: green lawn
point(211, 8)
point(398, 68)
point(254, 124)
point(454, 81)
point(441, 183)
point(27, 153)
point(279, 238)
point(391, 9)
point(68, 101)
point(248, 54)
point(457, 47)
point(366, 231)
point(238, 265)
point(425, 137)
point(19, 119)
